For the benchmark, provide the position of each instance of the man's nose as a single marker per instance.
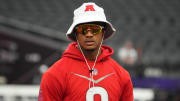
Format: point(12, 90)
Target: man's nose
point(89, 33)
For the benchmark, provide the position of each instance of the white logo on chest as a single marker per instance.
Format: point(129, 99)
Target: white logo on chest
point(95, 81)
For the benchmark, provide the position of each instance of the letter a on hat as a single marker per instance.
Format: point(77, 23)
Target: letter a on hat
point(89, 8)
point(89, 12)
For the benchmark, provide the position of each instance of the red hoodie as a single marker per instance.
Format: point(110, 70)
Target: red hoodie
point(69, 78)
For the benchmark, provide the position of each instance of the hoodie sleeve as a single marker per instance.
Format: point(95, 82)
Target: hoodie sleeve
point(50, 89)
point(127, 94)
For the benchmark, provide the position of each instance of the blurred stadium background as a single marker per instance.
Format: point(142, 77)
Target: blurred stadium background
point(32, 38)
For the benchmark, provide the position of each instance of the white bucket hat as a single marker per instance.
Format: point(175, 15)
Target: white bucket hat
point(87, 13)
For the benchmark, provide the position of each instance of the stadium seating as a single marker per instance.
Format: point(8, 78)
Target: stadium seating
point(151, 24)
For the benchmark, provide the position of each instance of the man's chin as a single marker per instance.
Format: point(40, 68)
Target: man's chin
point(90, 49)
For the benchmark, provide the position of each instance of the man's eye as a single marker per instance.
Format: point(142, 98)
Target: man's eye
point(84, 31)
point(95, 31)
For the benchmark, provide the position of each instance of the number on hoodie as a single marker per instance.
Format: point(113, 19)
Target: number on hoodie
point(96, 90)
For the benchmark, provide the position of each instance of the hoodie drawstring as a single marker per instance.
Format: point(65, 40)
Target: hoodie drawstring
point(91, 74)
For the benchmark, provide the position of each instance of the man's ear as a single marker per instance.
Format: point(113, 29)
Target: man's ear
point(103, 32)
point(75, 35)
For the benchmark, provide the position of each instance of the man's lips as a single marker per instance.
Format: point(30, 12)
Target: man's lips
point(89, 43)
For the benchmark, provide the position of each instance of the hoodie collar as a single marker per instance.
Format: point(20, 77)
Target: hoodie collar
point(73, 52)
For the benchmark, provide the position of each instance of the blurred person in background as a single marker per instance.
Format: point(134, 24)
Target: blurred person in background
point(128, 57)
point(128, 54)
point(86, 72)
point(8, 57)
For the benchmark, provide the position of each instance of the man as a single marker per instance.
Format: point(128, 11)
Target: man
point(86, 72)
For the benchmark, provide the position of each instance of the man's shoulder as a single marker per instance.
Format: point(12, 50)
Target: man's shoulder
point(60, 65)
point(122, 73)
point(118, 67)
